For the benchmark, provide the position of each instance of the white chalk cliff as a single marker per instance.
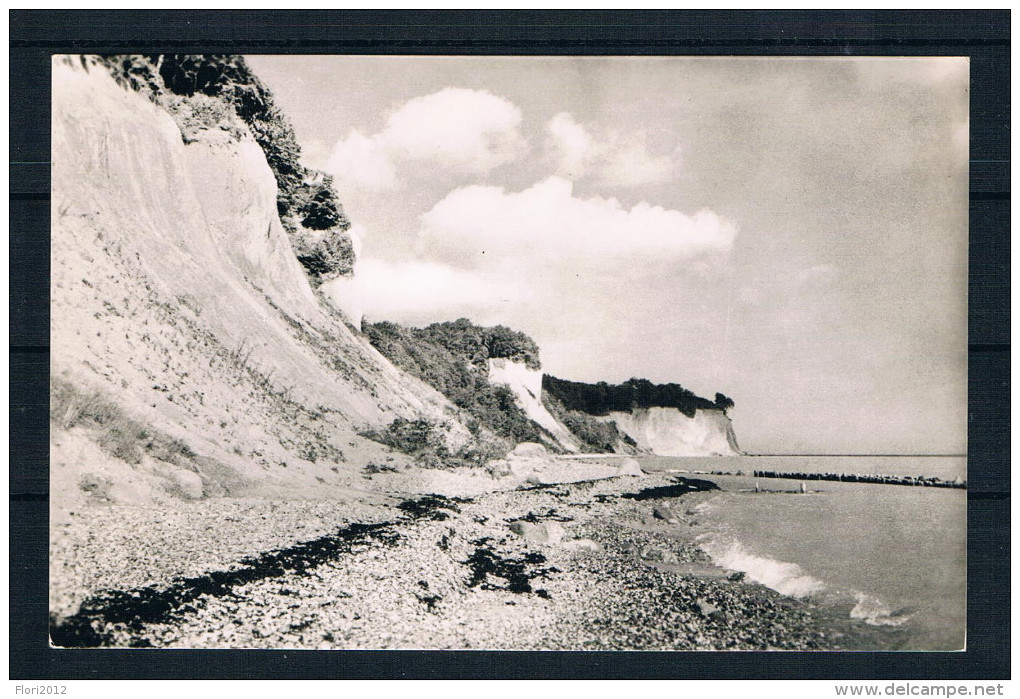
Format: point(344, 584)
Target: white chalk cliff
point(526, 384)
point(668, 432)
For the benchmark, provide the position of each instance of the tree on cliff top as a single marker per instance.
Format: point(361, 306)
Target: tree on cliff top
point(723, 402)
point(602, 398)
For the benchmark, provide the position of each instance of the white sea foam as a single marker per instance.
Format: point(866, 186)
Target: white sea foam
point(874, 611)
point(791, 580)
point(786, 578)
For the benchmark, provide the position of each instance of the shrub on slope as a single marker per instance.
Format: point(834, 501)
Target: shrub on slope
point(596, 435)
point(452, 357)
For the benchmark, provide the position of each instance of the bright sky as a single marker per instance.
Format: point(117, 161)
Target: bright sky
point(791, 232)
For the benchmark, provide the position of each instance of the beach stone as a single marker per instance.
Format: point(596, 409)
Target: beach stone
point(95, 485)
point(665, 513)
point(711, 611)
point(532, 450)
point(499, 468)
point(630, 467)
point(580, 545)
point(658, 554)
point(544, 533)
point(189, 482)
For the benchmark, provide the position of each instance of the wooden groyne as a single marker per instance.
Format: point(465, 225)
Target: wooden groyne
point(859, 478)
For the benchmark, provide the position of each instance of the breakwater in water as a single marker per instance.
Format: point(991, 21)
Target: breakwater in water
point(876, 478)
point(930, 482)
point(946, 468)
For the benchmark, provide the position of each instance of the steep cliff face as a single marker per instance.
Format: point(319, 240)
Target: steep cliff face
point(526, 384)
point(177, 296)
point(492, 373)
point(668, 432)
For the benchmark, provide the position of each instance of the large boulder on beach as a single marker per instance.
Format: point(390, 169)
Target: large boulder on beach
point(541, 533)
point(663, 512)
point(189, 482)
point(630, 467)
point(530, 450)
point(499, 468)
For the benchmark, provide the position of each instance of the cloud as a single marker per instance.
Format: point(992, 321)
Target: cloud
point(630, 165)
point(464, 131)
point(570, 144)
point(418, 290)
point(472, 130)
point(481, 225)
point(362, 160)
point(613, 160)
point(508, 257)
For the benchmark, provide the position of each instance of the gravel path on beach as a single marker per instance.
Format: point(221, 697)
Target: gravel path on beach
point(599, 571)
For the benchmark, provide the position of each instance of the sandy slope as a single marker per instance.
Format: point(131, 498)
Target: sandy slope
point(175, 293)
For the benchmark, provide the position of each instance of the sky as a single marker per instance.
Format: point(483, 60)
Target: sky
point(791, 232)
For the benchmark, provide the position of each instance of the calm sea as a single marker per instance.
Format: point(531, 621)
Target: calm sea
point(889, 557)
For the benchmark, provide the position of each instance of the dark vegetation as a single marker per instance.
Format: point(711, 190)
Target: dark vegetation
point(601, 398)
point(472, 343)
point(487, 565)
point(372, 469)
point(425, 441)
point(306, 199)
point(452, 358)
point(117, 434)
point(597, 436)
point(681, 486)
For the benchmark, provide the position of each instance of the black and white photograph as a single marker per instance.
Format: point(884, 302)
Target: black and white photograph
point(508, 352)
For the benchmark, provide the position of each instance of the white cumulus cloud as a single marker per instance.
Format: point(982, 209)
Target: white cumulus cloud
point(414, 291)
point(362, 160)
point(570, 144)
point(478, 225)
point(499, 256)
point(465, 131)
point(612, 159)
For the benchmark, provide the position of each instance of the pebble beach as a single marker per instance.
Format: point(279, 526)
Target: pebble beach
point(551, 555)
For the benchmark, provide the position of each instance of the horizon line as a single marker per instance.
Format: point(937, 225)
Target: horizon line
point(842, 454)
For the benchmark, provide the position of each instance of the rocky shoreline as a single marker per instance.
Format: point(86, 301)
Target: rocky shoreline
point(566, 557)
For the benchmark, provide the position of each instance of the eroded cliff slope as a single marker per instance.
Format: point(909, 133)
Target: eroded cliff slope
point(191, 355)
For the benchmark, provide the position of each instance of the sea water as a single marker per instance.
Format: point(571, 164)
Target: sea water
point(888, 556)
